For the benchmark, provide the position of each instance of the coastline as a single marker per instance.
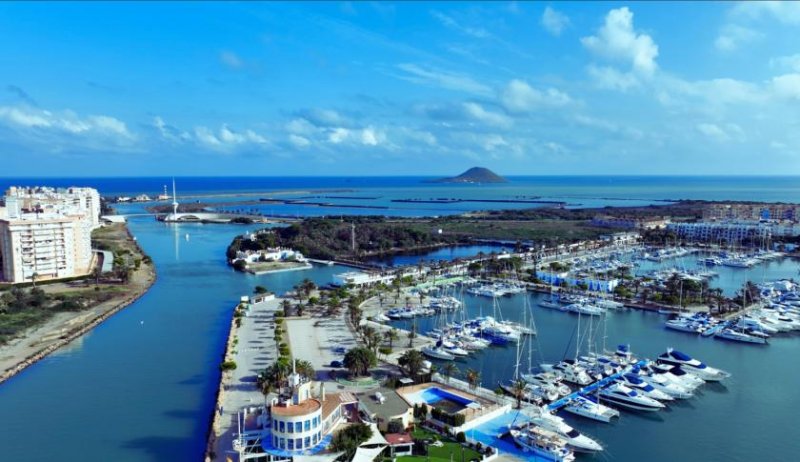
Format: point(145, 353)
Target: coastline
point(29, 347)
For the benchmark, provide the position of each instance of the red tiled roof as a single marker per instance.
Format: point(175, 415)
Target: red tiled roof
point(398, 438)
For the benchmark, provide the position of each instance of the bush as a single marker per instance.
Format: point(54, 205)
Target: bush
point(385, 350)
point(461, 437)
point(228, 366)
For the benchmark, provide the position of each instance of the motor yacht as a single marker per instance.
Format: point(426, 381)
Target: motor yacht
point(575, 439)
point(627, 398)
point(544, 444)
point(591, 409)
point(437, 352)
point(736, 335)
point(570, 370)
point(637, 383)
point(692, 365)
point(678, 375)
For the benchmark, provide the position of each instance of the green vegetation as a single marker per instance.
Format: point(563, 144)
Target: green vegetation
point(227, 366)
point(350, 438)
point(359, 360)
point(21, 309)
point(450, 450)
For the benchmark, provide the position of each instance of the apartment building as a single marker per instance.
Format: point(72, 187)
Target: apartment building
point(45, 233)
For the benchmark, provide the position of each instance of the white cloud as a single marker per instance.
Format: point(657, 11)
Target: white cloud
point(450, 22)
point(300, 126)
point(372, 137)
point(231, 60)
point(476, 112)
point(791, 62)
point(299, 141)
point(518, 96)
point(730, 132)
point(732, 36)
point(226, 139)
point(554, 21)
point(617, 40)
point(786, 86)
point(610, 78)
point(786, 12)
point(443, 79)
point(30, 118)
point(338, 135)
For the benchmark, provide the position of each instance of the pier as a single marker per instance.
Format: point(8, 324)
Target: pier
point(555, 405)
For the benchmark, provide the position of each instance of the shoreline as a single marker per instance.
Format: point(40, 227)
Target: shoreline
point(85, 322)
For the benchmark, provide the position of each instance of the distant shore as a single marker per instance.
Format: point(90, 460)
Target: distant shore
point(63, 328)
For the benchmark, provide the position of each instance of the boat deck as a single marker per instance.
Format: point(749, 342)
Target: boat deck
point(555, 405)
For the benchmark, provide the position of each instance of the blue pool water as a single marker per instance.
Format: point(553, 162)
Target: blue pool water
point(443, 399)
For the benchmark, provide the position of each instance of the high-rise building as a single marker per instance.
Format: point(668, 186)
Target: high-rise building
point(45, 233)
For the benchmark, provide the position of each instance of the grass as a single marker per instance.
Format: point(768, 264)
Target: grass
point(439, 454)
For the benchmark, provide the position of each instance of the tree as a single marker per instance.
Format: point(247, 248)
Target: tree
point(473, 378)
point(359, 360)
point(350, 438)
point(391, 336)
point(260, 290)
point(34, 277)
point(449, 370)
point(411, 362)
point(518, 389)
point(305, 369)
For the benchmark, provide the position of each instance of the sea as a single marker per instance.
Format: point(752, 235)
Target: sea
point(140, 387)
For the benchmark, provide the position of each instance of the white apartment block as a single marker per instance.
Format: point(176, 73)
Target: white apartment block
point(47, 233)
point(733, 231)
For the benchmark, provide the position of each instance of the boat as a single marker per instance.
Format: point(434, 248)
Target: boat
point(585, 406)
point(544, 444)
point(677, 375)
point(575, 439)
point(692, 365)
point(584, 308)
point(734, 335)
point(548, 380)
point(661, 383)
point(570, 370)
point(437, 352)
point(553, 305)
point(684, 325)
point(635, 382)
point(624, 397)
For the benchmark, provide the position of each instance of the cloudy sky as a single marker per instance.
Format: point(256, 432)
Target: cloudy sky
point(394, 89)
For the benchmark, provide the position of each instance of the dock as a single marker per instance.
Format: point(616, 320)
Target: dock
point(555, 405)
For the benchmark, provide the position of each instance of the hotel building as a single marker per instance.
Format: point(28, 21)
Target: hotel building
point(45, 233)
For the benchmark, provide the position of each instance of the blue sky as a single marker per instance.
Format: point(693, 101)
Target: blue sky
point(361, 88)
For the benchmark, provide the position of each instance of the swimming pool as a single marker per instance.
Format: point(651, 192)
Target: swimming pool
point(443, 399)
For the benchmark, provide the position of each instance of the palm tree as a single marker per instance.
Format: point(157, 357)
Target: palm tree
point(473, 378)
point(34, 276)
point(411, 361)
point(449, 370)
point(305, 369)
point(518, 389)
point(391, 336)
point(358, 361)
point(266, 388)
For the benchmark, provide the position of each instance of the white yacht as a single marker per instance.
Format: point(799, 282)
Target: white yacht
point(570, 370)
point(635, 382)
point(663, 384)
point(676, 374)
point(548, 380)
point(575, 439)
point(544, 444)
point(586, 407)
point(692, 365)
point(624, 397)
point(437, 353)
point(735, 335)
point(584, 308)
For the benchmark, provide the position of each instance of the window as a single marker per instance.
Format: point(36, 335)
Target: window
point(291, 444)
point(315, 422)
point(275, 441)
point(307, 425)
point(282, 444)
point(281, 427)
point(275, 426)
point(298, 443)
point(307, 442)
point(298, 427)
point(315, 438)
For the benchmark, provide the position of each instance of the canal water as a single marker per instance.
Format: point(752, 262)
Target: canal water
point(140, 387)
point(751, 416)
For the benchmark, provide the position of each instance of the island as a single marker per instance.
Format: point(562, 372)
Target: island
point(473, 175)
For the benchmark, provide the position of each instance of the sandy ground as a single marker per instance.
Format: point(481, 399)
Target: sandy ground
point(64, 327)
point(317, 340)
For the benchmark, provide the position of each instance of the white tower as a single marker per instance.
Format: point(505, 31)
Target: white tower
point(174, 201)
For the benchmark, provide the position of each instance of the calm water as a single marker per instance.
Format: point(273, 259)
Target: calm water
point(140, 387)
point(751, 416)
point(446, 254)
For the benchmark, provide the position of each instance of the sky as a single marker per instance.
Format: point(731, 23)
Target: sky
point(412, 88)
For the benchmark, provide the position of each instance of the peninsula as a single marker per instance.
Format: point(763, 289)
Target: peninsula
point(473, 175)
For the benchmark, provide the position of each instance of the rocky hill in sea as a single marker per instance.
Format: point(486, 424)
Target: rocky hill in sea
point(473, 175)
